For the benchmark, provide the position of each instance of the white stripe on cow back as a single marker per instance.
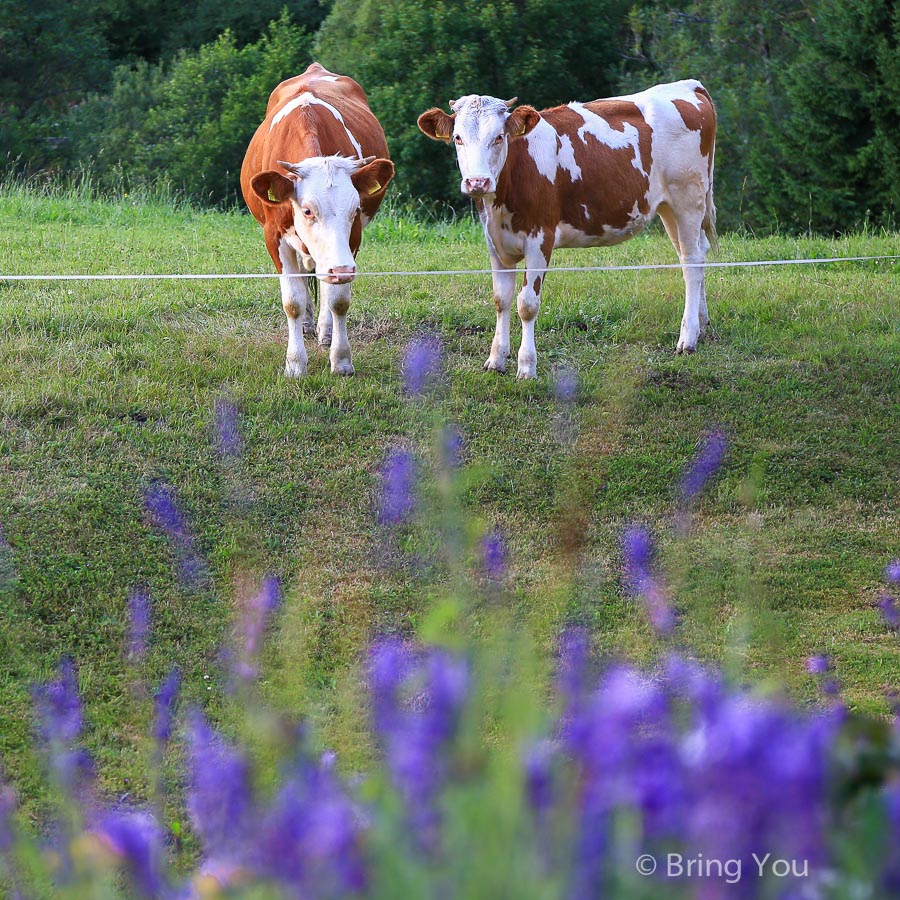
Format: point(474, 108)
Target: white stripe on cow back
point(599, 128)
point(308, 99)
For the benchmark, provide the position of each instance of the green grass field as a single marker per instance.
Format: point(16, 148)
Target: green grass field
point(109, 386)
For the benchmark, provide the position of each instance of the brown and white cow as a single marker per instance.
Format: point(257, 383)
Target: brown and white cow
point(314, 175)
point(584, 175)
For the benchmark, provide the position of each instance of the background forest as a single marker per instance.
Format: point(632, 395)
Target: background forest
point(808, 91)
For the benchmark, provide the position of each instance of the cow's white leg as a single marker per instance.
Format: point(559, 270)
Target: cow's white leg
point(297, 306)
point(529, 302)
point(504, 283)
point(685, 229)
point(325, 327)
point(336, 298)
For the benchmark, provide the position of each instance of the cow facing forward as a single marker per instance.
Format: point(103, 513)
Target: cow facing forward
point(314, 175)
point(584, 175)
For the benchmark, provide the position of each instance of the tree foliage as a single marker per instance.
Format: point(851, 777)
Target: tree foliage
point(806, 90)
point(410, 56)
point(191, 120)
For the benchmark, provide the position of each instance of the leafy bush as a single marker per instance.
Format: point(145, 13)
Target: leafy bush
point(188, 122)
point(491, 775)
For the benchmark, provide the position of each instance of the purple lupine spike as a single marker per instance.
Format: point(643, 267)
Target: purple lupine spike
point(817, 664)
point(573, 655)
point(417, 699)
point(228, 435)
point(7, 814)
point(890, 615)
point(705, 464)
point(135, 837)
point(311, 836)
point(637, 547)
point(537, 769)
point(398, 482)
point(167, 517)
point(58, 706)
point(139, 624)
point(452, 447)
point(892, 572)
point(218, 799)
point(493, 556)
point(165, 701)
point(421, 363)
point(253, 626)
point(565, 384)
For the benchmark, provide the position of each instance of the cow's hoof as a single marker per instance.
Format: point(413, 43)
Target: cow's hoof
point(526, 374)
point(344, 367)
point(491, 366)
point(685, 348)
point(324, 337)
point(309, 329)
point(294, 369)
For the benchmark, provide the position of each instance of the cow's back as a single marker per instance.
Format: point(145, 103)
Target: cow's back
point(317, 113)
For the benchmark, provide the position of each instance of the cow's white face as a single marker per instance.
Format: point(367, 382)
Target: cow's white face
point(324, 194)
point(481, 141)
point(480, 129)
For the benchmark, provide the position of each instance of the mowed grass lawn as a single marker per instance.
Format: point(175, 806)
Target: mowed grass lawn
point(109, 387)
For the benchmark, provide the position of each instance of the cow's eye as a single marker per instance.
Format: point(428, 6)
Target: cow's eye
point(307, 212)
point(498, 140)
point(457, 139)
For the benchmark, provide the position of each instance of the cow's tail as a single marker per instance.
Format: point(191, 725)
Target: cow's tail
point(709, 216)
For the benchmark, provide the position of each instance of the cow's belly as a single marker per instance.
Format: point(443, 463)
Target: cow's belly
point(571, 236)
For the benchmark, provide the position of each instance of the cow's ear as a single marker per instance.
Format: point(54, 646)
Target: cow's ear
point(373, 178)
point(436, 124)
point(272, 187)
point(521, 120)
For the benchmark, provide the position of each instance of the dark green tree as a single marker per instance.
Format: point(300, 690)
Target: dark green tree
point(51, 54)
point(409, 56)
point(737, 48)
point(839, 144)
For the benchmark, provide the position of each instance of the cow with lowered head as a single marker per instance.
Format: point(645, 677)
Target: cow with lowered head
point(314, 175)
point(584, 175)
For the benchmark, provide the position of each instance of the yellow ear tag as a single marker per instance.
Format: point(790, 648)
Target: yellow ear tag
point(272, 196)
point(375, 188)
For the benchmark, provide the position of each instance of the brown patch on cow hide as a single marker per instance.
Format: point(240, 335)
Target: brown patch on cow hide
point(610, 185)
point(700, 118)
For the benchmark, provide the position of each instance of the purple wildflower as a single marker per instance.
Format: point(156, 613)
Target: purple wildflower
point(892, 572)
point(704, 465)
point(253, 626)
point(136, 838)
point(398, 499)
point(565, 384)
point(818, 664)
point(537, 768)
point(166, 699)
point(493, 556)
point(417, 699)
point(452, 447)
point(218, 798)
point(889, 613)
point(574, 653)
point(228, 436)
point(165, 515)
point(58, 706)
point(421, 364)
point(139, 624)
point(7, 812)
point(637, 546)
point(310, 836)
